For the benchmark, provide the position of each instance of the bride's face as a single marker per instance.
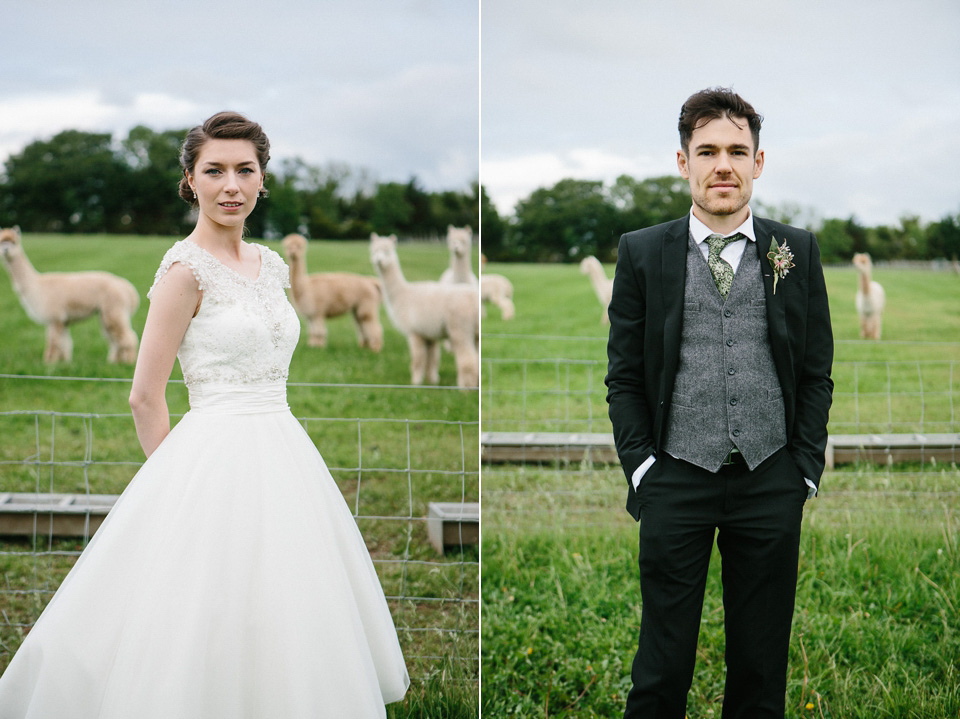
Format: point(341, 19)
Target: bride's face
point(227, 179)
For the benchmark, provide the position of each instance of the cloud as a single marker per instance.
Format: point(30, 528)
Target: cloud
point(858, 105)
point(35, 116)
point(387, 87)
point(510, 178)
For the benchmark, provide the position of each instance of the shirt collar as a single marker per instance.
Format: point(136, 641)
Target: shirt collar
point(699, 231)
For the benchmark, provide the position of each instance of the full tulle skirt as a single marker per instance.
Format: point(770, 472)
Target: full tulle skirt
point(229, 581)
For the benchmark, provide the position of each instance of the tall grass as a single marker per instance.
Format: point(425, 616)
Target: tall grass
point(392, 448)
point(877, 626)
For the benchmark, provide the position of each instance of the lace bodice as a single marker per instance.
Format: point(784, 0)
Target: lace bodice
point(246, 330)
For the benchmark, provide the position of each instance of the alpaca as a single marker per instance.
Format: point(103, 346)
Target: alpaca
point(58, 299)
point(428, 312)
point(870, 299)
point(497, 290)
point(331, 294)
point(460, 242)
point(601, 285)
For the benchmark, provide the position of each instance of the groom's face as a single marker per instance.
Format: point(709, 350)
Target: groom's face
point(721, 164)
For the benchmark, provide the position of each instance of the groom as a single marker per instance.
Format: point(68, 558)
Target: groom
point(719, 387)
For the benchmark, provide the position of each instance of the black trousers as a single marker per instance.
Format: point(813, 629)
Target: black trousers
point(756, 518)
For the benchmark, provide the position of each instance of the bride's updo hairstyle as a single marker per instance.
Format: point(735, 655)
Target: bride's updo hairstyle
point(222, 126)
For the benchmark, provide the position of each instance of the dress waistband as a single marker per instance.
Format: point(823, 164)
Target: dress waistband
point(238, 398)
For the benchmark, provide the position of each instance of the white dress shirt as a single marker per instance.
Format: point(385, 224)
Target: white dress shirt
point(732, 254)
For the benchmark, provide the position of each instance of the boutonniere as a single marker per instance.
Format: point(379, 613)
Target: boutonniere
point(781, 260)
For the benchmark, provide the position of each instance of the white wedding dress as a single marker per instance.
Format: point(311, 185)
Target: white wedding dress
point(230, 580)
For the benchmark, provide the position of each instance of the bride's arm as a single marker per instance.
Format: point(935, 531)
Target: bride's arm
point(174, 301)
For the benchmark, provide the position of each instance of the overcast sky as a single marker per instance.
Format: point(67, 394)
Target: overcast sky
point(861, 99)
point(391, 87)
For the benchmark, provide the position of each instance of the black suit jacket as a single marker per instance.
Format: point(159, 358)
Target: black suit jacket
point(646, 316)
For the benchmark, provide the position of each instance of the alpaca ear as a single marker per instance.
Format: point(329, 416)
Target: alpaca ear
point(393, 239)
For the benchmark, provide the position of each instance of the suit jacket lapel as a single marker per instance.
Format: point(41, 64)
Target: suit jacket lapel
point(776, 307)
point(673, 276)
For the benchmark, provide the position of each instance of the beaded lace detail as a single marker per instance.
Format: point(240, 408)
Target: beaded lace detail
point(246, 329)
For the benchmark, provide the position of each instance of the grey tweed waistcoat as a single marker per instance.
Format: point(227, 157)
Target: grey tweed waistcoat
point(726, 391)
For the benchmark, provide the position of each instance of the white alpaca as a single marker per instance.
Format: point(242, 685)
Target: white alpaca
point(497, 290)
point(58, 299)
point(427, 313)
point(460, 244)
point(870, 299)
point(331, 294)
point(602, 286)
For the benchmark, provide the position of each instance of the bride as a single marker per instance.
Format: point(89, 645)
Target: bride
point(230, 579)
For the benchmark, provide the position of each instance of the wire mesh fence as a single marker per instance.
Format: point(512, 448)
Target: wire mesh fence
point(389, 470)
point(569, 395)
point(555, 484)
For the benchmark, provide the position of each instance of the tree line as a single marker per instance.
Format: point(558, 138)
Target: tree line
point(576, 218)
point(84, 182)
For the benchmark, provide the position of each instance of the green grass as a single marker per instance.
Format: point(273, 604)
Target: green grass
point(402, 446)
point(543, 370)
point(877, 627)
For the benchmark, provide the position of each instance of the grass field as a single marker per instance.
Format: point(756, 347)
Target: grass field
point(877, 626)
point(544, 370)
point(392, 448)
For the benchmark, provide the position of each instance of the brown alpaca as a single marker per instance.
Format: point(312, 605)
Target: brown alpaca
point(460, 244)
point(58, 299)
point(602, 286)
point(331, 294)
point(870, 299)
point(427, 313)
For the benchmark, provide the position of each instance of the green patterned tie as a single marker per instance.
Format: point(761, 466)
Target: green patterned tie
point(720, 268)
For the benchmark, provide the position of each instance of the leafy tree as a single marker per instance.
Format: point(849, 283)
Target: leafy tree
point(566, 222)
point(421, 218)
point(492, 229)
point(152, 204)
point(454, 208)
point(70, 183)
point(913, 238)
point(943, 238)
point(836, 243)
point(648, 202)
point(392, 211)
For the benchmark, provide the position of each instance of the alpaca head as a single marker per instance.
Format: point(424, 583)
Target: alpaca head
point(861, 261)
point(9, 241)
point(294, 246)
point(459, 239)
point(383, 250)
point(588, 264)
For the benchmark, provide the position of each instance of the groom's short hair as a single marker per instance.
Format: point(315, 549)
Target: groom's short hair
point(711, 104)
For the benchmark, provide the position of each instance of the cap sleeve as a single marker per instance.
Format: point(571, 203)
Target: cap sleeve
point(186, 254)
